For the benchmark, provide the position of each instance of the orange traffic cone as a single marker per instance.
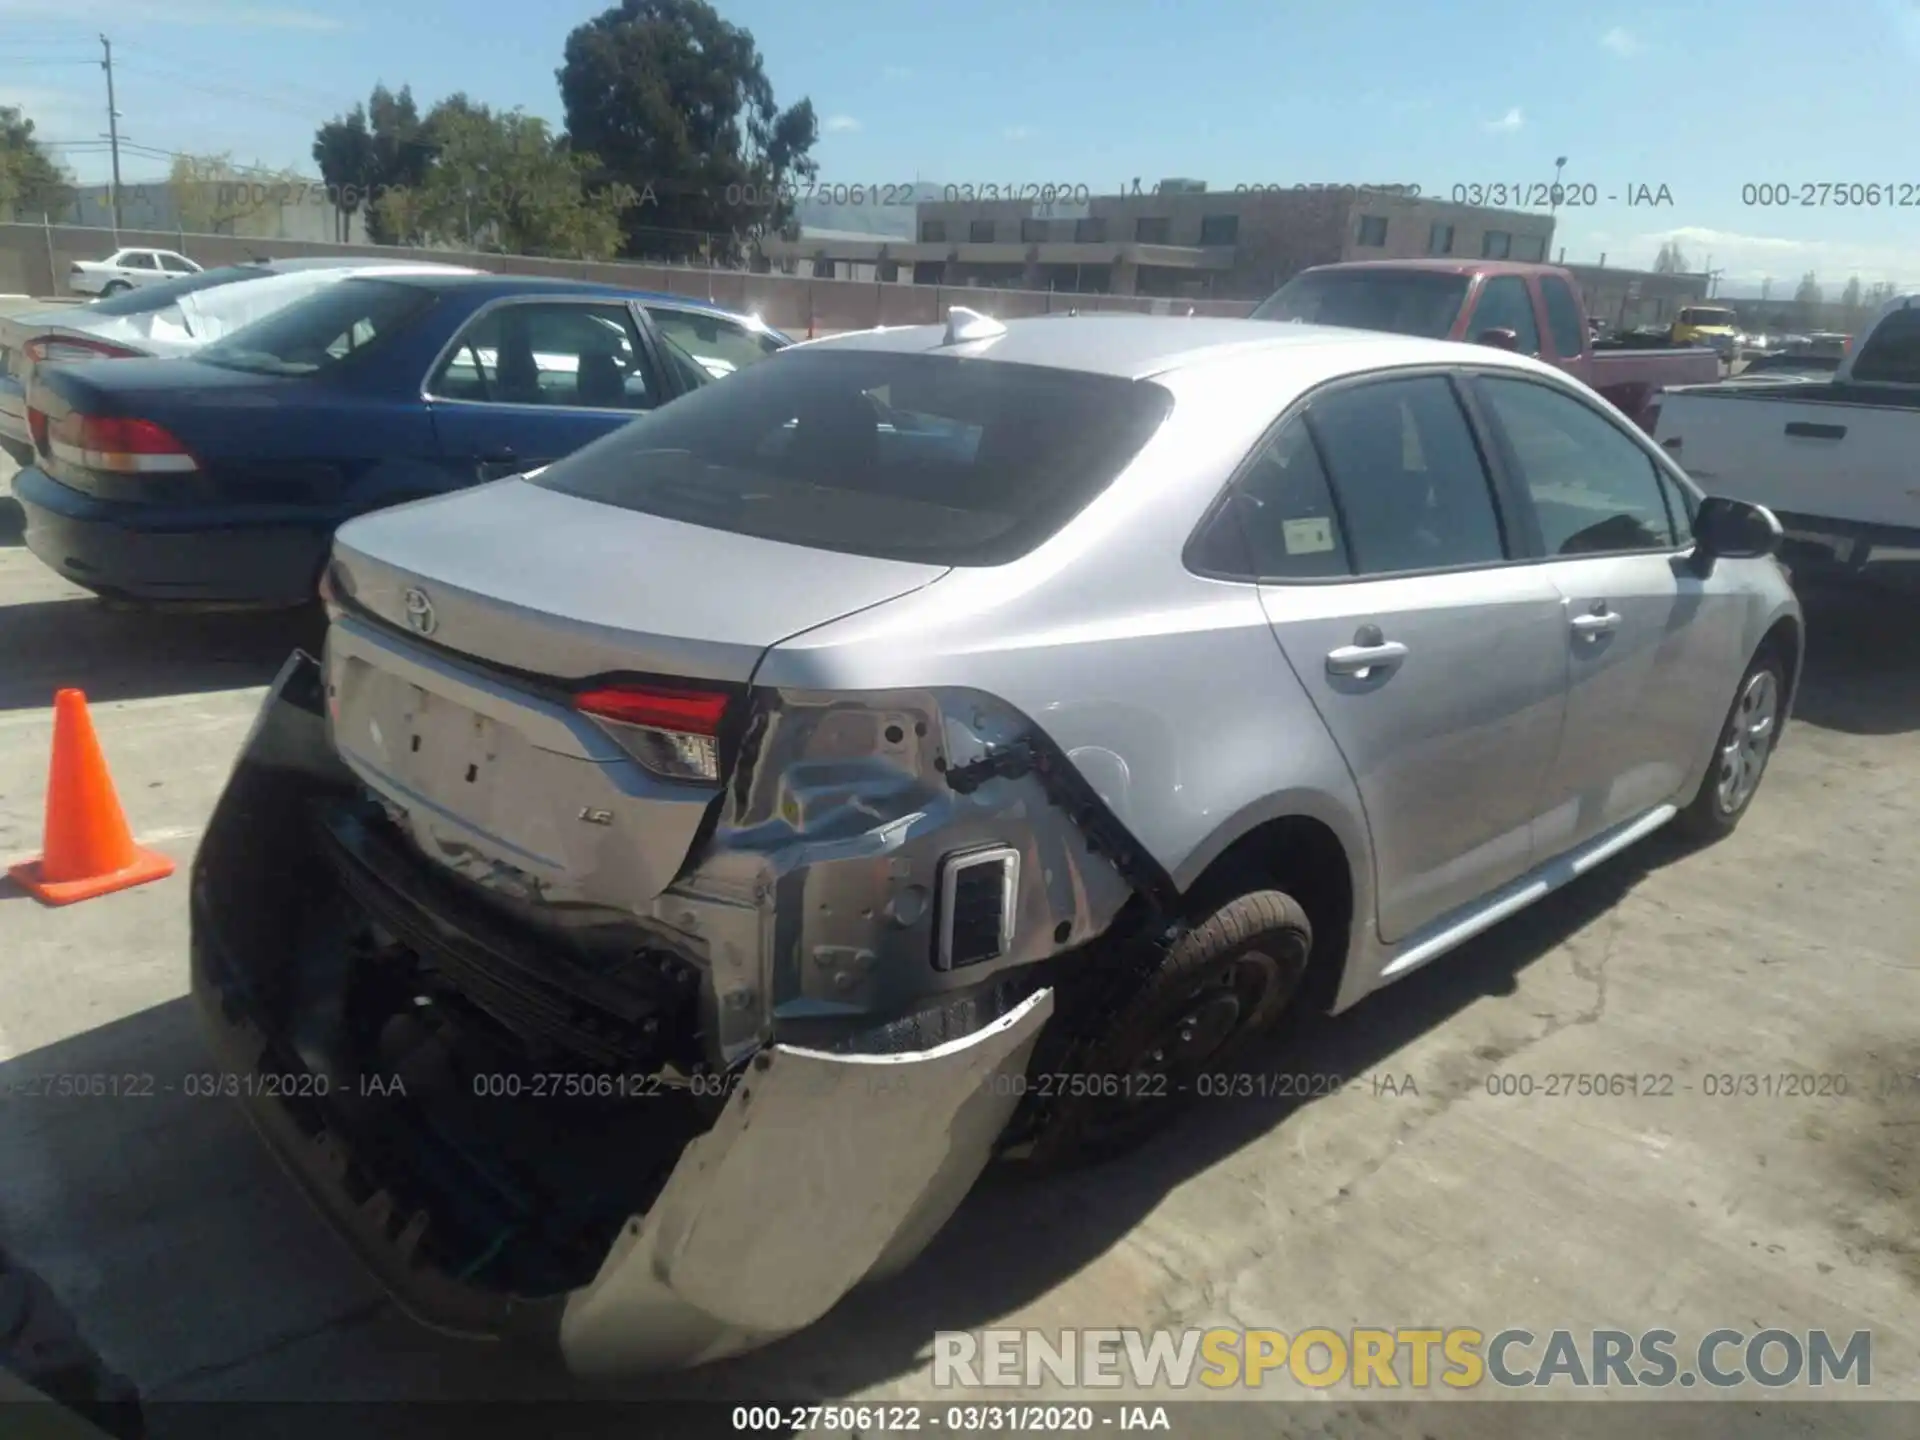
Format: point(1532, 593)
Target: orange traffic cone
point(89, 850)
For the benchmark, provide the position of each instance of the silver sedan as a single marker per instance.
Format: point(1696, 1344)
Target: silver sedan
point(935, 743)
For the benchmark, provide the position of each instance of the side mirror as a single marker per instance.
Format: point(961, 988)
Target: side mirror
point(1500, 338)
point(1726, 529)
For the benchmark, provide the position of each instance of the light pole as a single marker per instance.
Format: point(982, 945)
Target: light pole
point(1553, 195)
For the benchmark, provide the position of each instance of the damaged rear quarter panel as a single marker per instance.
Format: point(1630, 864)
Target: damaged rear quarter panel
point(814, 902)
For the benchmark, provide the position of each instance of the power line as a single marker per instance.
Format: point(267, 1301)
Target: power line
point(225, 92)
point(318, 98)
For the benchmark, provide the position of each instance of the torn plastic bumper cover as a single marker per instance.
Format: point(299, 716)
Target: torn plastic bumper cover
point(820, 1171)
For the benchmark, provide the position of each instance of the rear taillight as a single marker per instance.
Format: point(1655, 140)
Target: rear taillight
point(119, 444)
point(65, 349)
point(674, 733)
point(37, 428)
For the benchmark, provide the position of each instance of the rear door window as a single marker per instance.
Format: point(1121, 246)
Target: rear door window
point(901, 456)
point(575, 356)
point(716, 343)
point(1408, 476)
point(1278, 522)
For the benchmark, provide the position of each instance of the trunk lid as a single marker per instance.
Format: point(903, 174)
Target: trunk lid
point(533, 580)
point(497, 775)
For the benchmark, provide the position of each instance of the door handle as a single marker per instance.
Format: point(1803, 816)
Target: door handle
point(1359, 660)
point(1807, 430)
point(1597, 624)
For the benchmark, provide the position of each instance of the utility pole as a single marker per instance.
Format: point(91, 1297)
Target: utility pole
point(113, 133)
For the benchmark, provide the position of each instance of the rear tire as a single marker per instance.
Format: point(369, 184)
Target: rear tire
point(1741, 752)
point(115, 287)
point(1218, 988)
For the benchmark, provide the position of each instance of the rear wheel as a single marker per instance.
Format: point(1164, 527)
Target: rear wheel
point(1219, 987)
point(116, 287)
point(1740, 755)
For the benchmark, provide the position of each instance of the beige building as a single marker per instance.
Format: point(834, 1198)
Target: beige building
point(1178, 242)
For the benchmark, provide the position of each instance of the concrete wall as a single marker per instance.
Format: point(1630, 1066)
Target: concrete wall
point(34, 260)
point(281, 210)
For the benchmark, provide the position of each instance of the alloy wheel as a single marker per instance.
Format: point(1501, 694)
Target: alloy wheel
point(1748, 742)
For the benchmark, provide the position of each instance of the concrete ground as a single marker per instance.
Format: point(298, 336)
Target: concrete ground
point(1788, 949)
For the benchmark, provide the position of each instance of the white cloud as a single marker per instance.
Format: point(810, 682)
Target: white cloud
point(840, 125)
point(174, 12)
point(1507, 123)
point(1746, 260)
point(1016, 132)
point(1622, 41)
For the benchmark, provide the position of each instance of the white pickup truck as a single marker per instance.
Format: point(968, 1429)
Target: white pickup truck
point(1836, 458)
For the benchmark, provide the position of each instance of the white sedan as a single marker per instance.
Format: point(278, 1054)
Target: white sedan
point(127, 270)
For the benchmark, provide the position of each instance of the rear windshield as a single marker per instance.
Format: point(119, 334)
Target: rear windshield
point(917, 457)
point(1406, 302)
point(323, 330)
point(148, 299)
point(1891, 355)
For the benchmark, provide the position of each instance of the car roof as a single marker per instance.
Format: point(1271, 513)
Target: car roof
point(1135, 347)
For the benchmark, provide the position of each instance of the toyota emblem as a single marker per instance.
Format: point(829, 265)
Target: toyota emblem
point(420, 616)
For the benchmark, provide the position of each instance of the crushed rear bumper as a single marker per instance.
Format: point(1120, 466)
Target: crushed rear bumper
point(822, 1170)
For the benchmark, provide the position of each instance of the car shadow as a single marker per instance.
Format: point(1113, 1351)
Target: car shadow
point(1863, 658)
point(116, 654)
point(163, 1210)
point(13, 522)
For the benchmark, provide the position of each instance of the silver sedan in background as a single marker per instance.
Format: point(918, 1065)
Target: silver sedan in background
point(934, 743)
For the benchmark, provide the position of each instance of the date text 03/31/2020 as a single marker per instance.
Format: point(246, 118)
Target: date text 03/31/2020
point(1546, 195)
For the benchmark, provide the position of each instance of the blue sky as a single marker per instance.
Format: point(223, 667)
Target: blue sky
point(1097, 92)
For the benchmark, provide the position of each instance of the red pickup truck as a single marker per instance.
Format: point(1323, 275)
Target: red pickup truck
point(1534, 309)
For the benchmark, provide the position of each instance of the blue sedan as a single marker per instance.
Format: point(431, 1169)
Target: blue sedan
point(219, 479)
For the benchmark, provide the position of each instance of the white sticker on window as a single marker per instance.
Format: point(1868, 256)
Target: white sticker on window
point(1308, 537)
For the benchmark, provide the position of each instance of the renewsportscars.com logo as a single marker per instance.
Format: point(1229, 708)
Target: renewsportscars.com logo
point(1459, 1358)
